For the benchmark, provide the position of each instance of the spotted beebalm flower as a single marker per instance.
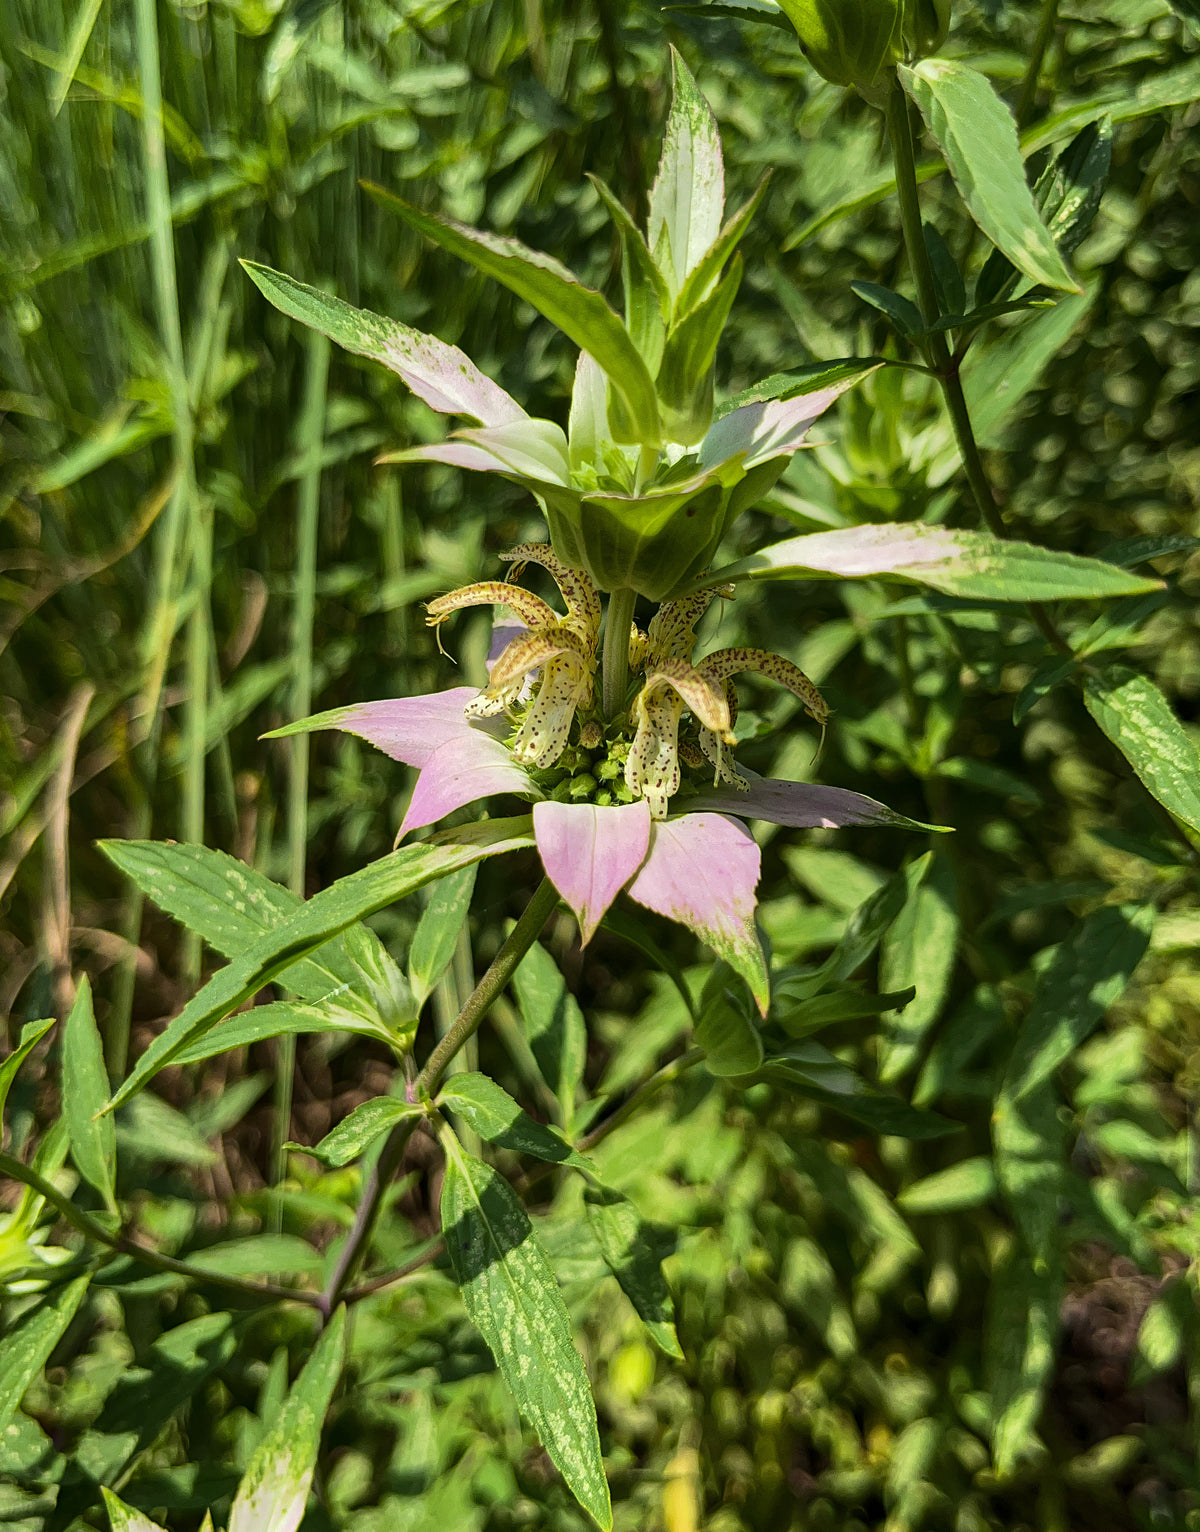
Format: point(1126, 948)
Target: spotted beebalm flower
point(650, 801)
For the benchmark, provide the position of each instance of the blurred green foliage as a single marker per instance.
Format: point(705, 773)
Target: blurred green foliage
point(876, 1333)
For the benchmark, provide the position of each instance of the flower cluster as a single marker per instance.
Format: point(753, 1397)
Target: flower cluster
point(641, 800)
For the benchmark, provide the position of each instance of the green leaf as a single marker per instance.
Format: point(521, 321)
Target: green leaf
point(1163, 1330)
point(123, 1518)
point(324, 916)
point(952, 294)
point(512, 1297)
point(582, 314)
point(708, 267)
point(1068, 195)
point(1138, 719)
point(630, 1255)
point(813, 1071)
point(684, 381)
point(965, 1185)
point(282, 1018)
point(956, 562)
point(84, 1092)
point(808, 1015)
point(1049, 674)
point(554, 1027)
point(443, 376)
point(232, 906)
point(726, 1027)
point(437, 932)
point(495, 1116)
point(359, 1129)
point(1086, 975)
point(647, 299)
point(27, 1346)
point(864, 930)
point(766, 11)
point(274, 1489)
point(919, 950)
point(688, 196)
point(31, 1035)
point(1020, 1353)
point(977, 135)
point(805, 380)
point(256, 1254)
point(903, 313)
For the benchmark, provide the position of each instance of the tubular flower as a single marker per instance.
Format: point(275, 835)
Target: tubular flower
point(629, 803)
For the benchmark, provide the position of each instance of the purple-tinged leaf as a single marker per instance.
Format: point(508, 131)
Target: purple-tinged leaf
point(769, 429)
point(581, 313)
point(408, 729)
point(461, 771)
point(954, 561)
point(688, 195)
point(702, 871)
point(803, 806)
point(445, 377)
point(590, 853)
point(532, 451)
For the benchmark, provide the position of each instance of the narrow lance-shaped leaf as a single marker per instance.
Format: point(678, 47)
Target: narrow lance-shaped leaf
point(85, 1090)
point(688, 195)
point(554, 1026)
point(629, 1253)
point(708, 267)
point(581, 313)
point(1138, 719)
point(31, 1035)
point(512, 1297)
point(975, 131)
point(26, 1348)
point(274, 1489)
point(437, 932)
point(647, 300)
point(491, 1112)
point(954, 561)
point(323, 916)
point(360, 1128)
point(445, 377)
point(919, 951)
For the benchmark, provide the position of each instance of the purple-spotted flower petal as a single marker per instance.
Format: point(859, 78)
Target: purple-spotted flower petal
point(702, 872)
point(590, 853)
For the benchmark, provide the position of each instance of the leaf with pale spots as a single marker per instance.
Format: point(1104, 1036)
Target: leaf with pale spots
point(495, 1116)
point(274, 1489)
point(326, 915)
point(123, 1518)
point(443, 376)
point(512, 1297)
point(1138, 719)
point(688, 195)
point(359, 1129)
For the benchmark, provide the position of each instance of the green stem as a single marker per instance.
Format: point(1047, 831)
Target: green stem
point(1028, 97)
point(87, 1226)
point(945, 366)
point(470, 1018)
point(615, 654)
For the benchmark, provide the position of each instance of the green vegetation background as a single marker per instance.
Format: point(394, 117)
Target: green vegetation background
point(844, 1358)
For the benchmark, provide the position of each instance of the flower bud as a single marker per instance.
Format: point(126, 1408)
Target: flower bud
point(847, 41)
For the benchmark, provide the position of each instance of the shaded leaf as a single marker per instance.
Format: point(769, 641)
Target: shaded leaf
point(512, 1297)
point(437, 932)
point(495, 1116)
point(27, 1346)
point(630, 1255)
point(1138, 719)
point(274, 1489)
point(84, 1092)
